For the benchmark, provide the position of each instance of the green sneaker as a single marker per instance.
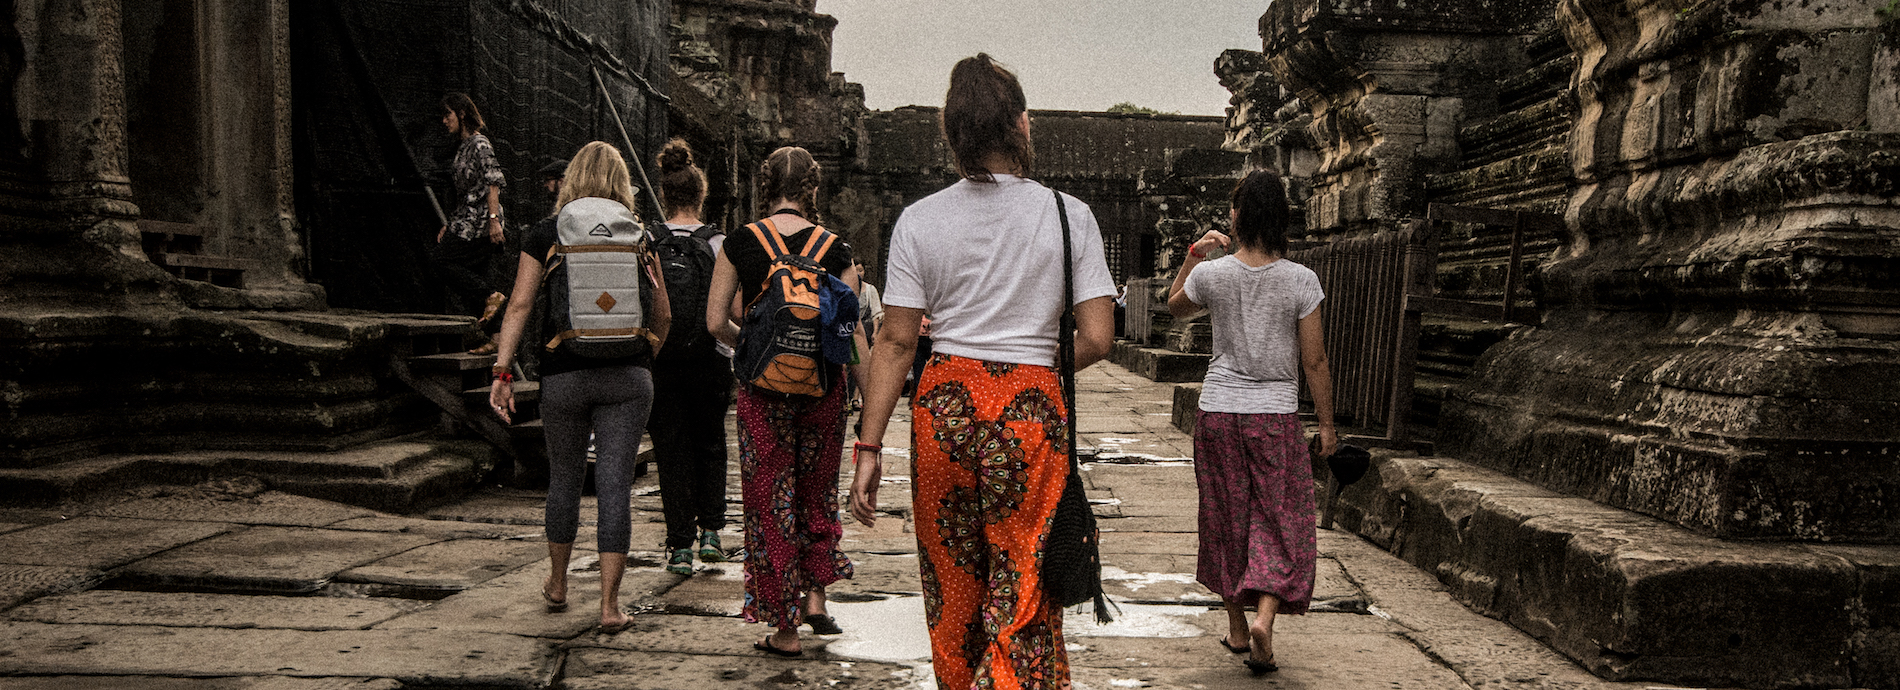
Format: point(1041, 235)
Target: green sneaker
point(709, 550)
point(681, 563)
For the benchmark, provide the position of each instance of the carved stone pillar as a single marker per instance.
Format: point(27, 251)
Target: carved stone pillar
point(1720, 349)
point(1388, 83)
point(66, 196)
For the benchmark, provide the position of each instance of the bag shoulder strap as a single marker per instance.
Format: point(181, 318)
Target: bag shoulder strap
point(1065, 339)
point(823, 240)
point(707, 232)
point(769, 239)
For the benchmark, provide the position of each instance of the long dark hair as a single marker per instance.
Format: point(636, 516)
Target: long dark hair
point(465, 111)
point(980, 112)
point(1260, 200)
point(790, 173)
point(682, 184)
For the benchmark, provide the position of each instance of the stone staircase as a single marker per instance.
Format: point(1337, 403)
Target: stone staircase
point(317, 414)
point(433, 359)
point(179, 249)
point(398, 475)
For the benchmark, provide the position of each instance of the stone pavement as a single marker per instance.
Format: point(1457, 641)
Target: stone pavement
point(232, 587)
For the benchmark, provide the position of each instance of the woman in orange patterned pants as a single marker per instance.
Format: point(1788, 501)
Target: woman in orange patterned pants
point(989, 431)
point(990, 449)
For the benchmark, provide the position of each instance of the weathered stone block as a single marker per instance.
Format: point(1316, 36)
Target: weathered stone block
point(436, 570)
point(20, 583)
point(1160, 365)
point(1205, 163)
point(1187, 407)
point(1628, 596)
point(197, 610)
point(1195, 337)
point(268, 559)
point(108, 542)
point(414, 657)
point(1721, 433)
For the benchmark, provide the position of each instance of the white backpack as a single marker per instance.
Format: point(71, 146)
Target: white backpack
point(594, 281)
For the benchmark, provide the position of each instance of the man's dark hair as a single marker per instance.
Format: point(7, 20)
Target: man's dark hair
point(980, 113)
point(1260, 200)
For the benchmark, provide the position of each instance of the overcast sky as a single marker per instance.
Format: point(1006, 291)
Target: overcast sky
point(1070, 54)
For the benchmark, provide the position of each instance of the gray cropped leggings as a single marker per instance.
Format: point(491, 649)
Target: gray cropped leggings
point(613, 403)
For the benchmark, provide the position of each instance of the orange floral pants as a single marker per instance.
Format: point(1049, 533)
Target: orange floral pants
point(990, 447)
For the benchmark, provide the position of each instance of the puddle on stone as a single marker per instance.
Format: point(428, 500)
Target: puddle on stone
point(890, 630)
point(1135, 620)
point(1135, 581)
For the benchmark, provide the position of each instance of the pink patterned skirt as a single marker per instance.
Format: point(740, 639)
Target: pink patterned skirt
point(1257, 508)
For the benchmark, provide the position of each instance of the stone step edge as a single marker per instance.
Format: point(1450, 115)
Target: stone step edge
point(1159, 365)
point(1631, 597)
point(395, 481)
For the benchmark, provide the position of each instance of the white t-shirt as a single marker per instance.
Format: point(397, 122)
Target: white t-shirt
point(1255, 312)
point(982, 259)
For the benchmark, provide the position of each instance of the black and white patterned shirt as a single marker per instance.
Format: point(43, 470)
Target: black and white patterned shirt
point(475, 170)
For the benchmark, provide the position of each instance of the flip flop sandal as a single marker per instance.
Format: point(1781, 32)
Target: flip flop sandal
point(615, 629)
point(822, 624)
point(765, 645)
point(1237, 650)
point(1261, 668)
point(553, 605)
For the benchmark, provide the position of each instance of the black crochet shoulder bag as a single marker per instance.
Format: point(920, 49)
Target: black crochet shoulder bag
point(1071, 554)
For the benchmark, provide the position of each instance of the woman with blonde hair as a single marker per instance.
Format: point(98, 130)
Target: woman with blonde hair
point(609, 397)
point(789, 445)
point(989, 426)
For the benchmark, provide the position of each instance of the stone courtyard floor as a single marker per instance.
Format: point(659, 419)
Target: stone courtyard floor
point(228, 587)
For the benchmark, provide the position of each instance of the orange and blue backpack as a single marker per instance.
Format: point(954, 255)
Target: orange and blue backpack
point(802, 320)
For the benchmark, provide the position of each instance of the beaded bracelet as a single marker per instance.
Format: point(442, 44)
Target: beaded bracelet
point(1196, 252)
point(504, 376)
point(861, 446)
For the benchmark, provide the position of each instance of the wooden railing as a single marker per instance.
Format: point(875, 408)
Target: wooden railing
point(1378, 287)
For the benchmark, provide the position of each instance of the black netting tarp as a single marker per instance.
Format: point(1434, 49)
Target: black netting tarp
point(368, 77)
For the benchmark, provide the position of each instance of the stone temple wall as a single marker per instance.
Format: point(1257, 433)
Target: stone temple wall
point(1687, 471)
point(1097, 157)
point(228, 125)
point(369, 76)
point(751, 76)
point(1720, 348)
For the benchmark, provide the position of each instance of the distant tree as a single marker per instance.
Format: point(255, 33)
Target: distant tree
point(1126, 108)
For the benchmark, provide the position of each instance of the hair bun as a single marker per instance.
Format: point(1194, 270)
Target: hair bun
point(676, 155)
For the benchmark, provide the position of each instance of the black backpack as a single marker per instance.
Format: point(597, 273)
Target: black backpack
point(687, 263)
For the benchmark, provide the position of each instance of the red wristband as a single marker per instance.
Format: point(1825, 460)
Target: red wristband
point(858, 446)
point(506, 377)
point(1195, 252)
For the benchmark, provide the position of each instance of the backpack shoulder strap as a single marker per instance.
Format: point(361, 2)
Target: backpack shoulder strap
point(822, 239)
point(769, 239)
point(707, 232)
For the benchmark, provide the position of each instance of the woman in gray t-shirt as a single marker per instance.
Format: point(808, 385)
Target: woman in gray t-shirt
point(1250, 457)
